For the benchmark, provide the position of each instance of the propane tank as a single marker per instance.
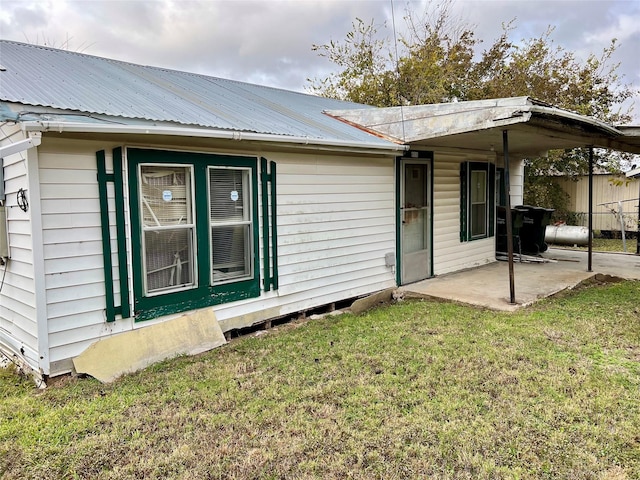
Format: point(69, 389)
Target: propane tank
point(566, 234)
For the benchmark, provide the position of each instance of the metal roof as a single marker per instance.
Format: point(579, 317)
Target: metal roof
point(68, 81)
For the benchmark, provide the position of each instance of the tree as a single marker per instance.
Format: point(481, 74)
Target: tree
point(434, 56)
point(437, 61)
point(366, 75)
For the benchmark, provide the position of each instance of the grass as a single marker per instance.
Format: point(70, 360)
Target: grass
point(605, 245)
point(413, 390)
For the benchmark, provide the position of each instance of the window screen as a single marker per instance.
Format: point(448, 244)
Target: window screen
point(478, 196)
point(230, 222)
point(167, 227)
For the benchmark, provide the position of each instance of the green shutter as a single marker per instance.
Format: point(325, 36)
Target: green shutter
point(464, 168)
point(123, 270)
point(264, 180)
point(491, 201)
point(269, 224)
point(274, 226)
point(103, 178)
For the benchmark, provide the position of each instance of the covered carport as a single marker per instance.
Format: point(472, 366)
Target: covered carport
point(512, 128)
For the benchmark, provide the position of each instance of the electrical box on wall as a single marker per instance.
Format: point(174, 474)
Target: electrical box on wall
point(4, 237)
point(390, 259)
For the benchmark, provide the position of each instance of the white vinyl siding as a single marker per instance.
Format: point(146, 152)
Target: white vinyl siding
point(516, 181)
point(18, 323)
point(449, 254)
point(336, 222)
point(72, 243)
point(337, 199)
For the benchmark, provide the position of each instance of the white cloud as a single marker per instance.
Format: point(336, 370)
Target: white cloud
point(627, 27)
point(269, 41)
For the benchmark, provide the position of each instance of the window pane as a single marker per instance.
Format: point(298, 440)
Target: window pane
point(229, 252)
point(415, 186)
point(478, 195)
point(478, 186)
point(165, 195)
point(478, 219)
point(231, 226)
point(227, 194)
point(167, 227)
point(168, 258)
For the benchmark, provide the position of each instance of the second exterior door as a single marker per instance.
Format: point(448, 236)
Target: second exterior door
point(415, 216)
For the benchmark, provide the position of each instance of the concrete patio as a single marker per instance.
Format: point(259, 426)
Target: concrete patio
point(488, 286)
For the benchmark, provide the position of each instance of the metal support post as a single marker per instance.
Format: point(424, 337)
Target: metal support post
point(590, 240)
point(509, 223)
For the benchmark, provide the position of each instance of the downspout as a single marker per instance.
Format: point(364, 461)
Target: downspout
point(508, 220)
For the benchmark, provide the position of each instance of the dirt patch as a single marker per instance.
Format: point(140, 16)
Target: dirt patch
point(600, 279)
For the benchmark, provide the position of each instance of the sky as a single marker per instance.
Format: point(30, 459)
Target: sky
point(269, 42)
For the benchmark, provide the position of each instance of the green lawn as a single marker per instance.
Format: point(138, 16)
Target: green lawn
point(606, 245)
point(413, 390)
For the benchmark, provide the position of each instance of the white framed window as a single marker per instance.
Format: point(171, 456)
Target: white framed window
point(230, 224)
point(478, 203)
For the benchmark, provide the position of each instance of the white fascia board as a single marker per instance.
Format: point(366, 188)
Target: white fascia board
point(633, 173)
point(575, 117)
point(61, 127)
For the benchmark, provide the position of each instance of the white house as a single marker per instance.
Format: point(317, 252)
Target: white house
point(137, 195)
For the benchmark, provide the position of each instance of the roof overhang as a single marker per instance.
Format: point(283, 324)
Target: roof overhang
point(534, 127)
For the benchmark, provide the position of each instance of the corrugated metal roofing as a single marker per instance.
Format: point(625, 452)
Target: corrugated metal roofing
point(43, 76)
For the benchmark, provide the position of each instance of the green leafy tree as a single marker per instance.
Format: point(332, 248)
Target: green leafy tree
point(437, 61)
point(365, 75)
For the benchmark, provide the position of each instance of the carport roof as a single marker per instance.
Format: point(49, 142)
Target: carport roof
point(534, 126)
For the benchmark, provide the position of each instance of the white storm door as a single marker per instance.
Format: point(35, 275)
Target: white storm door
point(415, 215)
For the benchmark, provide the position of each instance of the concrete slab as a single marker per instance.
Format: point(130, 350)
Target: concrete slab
point(364, 304)
point(126, 352)
point(488, 286)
